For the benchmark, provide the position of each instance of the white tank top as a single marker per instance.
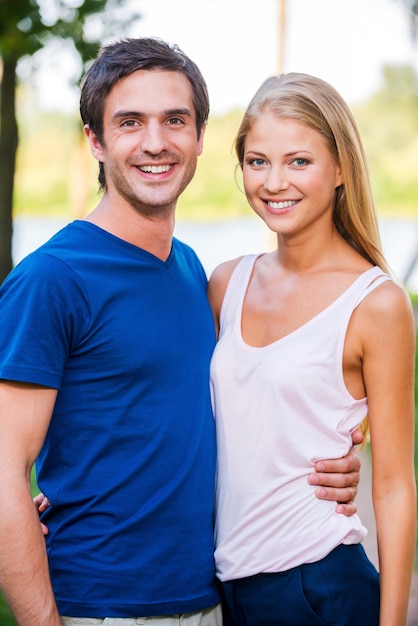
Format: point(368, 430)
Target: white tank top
point(279, 409)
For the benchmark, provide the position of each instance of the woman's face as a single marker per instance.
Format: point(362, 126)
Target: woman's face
point(289, 173)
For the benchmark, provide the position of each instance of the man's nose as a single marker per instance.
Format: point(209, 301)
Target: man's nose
point(153, 138)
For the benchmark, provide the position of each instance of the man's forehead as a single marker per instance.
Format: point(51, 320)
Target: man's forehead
point(152, 92)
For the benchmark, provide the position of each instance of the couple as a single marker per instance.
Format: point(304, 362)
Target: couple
point(105, 376)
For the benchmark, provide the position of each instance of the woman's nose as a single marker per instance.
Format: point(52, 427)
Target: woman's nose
point(276, 180)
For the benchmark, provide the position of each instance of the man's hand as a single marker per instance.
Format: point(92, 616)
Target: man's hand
point(41, 503)
point(338, 479)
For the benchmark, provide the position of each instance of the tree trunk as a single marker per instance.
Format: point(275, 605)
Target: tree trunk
point(8, 148)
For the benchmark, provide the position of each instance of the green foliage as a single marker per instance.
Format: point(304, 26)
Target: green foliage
point(27, 25)
point(54, 169)
point(6, 618)
point(388, 125)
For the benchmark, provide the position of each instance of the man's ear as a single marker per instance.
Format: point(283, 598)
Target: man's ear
point(200, 140)
point(96, 147)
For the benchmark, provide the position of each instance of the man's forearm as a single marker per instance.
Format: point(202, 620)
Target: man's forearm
point(24, 573)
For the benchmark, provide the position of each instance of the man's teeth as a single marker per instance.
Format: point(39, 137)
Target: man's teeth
point(282, 205)
point(155, 169)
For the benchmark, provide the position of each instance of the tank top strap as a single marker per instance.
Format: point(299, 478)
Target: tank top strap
point(381, 278)
point(236, 290)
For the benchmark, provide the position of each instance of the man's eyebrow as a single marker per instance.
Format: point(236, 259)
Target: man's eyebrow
point(141, 115)
point(185, 111)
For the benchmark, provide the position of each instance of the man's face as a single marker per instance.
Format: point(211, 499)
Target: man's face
point(150, 144)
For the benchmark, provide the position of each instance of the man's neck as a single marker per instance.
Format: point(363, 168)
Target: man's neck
point(151, 233)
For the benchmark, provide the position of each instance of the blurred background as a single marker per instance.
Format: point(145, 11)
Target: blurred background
point(367, 49)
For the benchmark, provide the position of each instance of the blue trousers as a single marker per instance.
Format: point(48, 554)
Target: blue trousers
point(340, 590)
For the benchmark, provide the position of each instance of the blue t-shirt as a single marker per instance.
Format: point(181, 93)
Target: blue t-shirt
point(129, 458)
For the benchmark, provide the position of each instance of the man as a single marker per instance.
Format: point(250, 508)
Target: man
point(105, 374)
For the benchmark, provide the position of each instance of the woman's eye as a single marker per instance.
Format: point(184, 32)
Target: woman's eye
point(257, 162)
point(300, 162)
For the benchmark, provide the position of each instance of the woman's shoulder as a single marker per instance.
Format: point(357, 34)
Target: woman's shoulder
point(224, 270)
point(218, 282)
point(388, 306)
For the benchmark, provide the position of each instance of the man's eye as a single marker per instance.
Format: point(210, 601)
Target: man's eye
point(174, 121)
point(129, 123)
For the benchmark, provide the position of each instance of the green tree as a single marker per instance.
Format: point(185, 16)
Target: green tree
point(26, 26)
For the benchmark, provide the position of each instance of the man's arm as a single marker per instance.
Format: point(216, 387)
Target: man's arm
point(25, 413)
point(338, 479)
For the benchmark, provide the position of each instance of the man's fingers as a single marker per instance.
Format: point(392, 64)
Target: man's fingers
point(340, 496)
point(345, 465)
point(41, 502)
point(44, 505)
point(337, 481)
point(348, 509)
point(357, 437)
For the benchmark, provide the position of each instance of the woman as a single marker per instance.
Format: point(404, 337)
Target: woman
point(313, 337)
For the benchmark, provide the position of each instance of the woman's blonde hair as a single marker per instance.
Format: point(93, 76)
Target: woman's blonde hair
point(315, 103)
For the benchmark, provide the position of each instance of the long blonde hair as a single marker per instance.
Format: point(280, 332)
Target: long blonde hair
point(315, 103)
